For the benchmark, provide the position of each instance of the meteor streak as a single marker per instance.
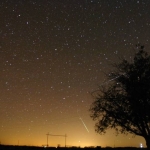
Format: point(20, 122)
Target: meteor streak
point(84, 124)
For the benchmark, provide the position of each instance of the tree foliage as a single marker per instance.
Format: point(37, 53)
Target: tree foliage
point(124, 104)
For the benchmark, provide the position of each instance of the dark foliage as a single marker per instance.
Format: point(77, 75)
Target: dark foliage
point(124, 104)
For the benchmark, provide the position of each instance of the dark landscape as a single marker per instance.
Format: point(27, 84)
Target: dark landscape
point(13, 147)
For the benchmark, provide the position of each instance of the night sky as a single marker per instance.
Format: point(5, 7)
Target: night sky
point(53, 54)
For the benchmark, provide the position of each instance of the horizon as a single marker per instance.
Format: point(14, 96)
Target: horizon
point(72, 146)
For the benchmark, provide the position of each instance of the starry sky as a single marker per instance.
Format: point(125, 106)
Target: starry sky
point(53, 54)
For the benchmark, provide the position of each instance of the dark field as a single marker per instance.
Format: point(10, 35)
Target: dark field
point(6, 147)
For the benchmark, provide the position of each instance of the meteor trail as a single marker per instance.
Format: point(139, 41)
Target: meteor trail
point(84, 124)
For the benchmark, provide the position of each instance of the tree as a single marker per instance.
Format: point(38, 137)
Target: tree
point(124, 104)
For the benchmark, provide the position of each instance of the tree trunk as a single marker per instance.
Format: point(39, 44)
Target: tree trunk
point(147, 139)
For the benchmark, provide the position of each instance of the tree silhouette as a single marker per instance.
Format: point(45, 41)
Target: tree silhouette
point(124, 104)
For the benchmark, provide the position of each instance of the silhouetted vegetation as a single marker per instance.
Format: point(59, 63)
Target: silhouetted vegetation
point(10, 147)
point(124, 103)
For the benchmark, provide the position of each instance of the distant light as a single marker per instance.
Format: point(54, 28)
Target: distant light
point(141, 145)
